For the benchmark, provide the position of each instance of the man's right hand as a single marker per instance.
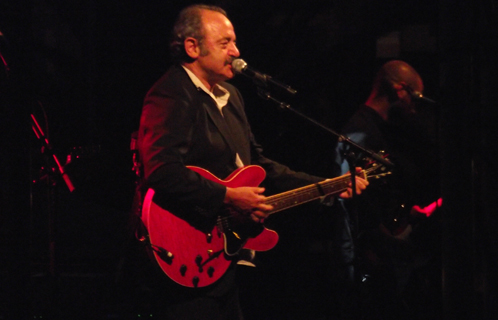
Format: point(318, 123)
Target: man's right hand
point(249, 200)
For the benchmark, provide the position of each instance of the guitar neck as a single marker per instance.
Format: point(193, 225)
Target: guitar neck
point(308, 193)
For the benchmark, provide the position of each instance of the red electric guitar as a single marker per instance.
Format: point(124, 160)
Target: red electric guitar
point(197, 258)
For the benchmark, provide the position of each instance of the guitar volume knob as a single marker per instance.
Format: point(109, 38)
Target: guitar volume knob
point(195, 281)
point(183, 270)
point(198, 260)
point(210, 271)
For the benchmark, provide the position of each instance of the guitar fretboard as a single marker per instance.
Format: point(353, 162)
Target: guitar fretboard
point(308, 193)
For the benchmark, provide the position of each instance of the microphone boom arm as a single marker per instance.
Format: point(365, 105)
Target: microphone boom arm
point(377, 157)
point(260, 79)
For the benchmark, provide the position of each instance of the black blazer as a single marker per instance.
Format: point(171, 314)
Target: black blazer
point(180, 126)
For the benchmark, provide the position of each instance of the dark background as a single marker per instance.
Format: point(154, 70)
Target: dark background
point(82, 69)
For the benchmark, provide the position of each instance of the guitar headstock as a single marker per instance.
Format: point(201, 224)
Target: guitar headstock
point(375, 170)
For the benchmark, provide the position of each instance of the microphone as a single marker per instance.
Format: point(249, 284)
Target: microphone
point(419, 96)
point(240, 66)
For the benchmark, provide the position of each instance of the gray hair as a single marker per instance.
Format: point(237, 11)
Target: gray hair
point(189, 24)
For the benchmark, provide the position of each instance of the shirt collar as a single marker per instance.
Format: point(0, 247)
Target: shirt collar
point(220, 95)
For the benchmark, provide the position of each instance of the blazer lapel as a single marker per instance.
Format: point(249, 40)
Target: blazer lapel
point(220, 123)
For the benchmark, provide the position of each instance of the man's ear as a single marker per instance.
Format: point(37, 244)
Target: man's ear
point(192, 47)
point(398, 86)
point(401, 89)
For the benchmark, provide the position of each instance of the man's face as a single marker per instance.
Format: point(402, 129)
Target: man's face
point(218, 48)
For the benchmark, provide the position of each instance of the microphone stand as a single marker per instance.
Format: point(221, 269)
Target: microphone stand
point(341, 138)
point(353, 146)
point(35, 125)
point(52, 211)
point(351, 158)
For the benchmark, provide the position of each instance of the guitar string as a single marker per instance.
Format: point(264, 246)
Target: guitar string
point(307, 189)
point(311, 188)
